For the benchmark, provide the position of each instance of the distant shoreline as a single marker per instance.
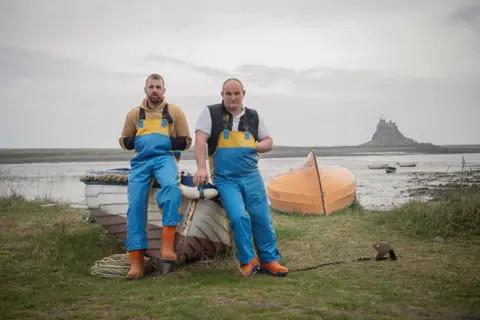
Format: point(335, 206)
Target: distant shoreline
point(19, 156)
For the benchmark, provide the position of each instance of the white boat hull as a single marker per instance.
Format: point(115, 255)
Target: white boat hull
point(203, 232)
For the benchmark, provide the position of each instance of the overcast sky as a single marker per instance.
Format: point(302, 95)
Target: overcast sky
point(319, 72)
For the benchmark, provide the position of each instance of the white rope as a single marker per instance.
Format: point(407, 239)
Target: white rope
point(117, 266)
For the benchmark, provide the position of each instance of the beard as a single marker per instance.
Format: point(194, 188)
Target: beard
point(155, 99)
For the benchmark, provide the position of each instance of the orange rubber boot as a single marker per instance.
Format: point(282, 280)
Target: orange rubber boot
point(168, 254)
point(274, 268)
point(136, 271)
point(250, 268)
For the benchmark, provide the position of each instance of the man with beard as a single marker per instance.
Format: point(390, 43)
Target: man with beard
point(234, 134)
point(157, 131)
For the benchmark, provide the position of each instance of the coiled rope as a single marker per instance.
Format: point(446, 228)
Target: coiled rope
point(105, 177)
point(117, 266)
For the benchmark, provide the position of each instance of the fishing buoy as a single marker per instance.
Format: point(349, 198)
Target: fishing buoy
point(120, 177)
point(199, 193)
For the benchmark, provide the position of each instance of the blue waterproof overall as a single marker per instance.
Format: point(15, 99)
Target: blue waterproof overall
point(154, 159)
point(242, 192)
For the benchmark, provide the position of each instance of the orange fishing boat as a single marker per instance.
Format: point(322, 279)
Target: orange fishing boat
point(311, 189)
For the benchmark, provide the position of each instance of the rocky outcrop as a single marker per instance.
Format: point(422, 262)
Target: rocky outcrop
point(387, 134)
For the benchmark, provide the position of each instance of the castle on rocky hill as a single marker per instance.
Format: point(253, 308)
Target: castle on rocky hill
point(387, 134)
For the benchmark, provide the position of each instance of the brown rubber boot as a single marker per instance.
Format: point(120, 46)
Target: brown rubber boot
point(168, 254)
point(136, 271)
point(274, 268)
point(249, 269)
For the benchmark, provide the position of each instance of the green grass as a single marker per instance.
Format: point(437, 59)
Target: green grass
point(454, 214)
point(46, 253)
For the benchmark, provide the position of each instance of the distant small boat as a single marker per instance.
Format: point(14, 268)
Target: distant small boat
point(407, 164)
point(390, 169)
point(378, 166)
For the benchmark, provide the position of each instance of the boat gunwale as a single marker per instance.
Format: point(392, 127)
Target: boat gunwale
point(303, 214)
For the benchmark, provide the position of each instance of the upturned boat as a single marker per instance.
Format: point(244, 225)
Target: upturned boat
point(312, 189)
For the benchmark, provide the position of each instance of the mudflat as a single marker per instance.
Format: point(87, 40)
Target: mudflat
point(9, 156)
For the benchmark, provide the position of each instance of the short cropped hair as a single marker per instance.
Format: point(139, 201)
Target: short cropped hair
point(155, 76)
point(232, 79)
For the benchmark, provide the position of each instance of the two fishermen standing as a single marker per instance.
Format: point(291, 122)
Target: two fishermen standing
point(228, 131)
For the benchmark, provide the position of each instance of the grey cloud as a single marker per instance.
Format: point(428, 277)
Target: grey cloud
point(32, 80)
point(468, 16)
point(29, 76)
point(265, 75)
point(69, 103)
point(356, 99)
point(213, 72)
point(293, 118)
point(321, 74)
point(343, 106)
point(338, 84)
point(17, 62)
point(428, 111)
point(58, 99)
point(20, 63)
point(94, 21)
point(69, 20)
point(66, 103)
point(160, 58)
point(328, 14)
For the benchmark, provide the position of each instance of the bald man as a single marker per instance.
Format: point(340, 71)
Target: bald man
point(234, 135)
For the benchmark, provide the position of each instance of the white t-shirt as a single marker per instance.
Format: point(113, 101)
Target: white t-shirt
point(204, 123)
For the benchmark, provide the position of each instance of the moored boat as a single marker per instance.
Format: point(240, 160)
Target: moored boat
point(312, 189)
point(378, 166)
point(390, 169)
point(203, 231)
point(406, 164)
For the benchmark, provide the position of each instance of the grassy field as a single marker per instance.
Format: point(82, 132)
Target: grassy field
point(47, 252)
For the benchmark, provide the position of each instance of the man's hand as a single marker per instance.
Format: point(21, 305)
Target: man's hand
point(200, 177)
point(264, 145)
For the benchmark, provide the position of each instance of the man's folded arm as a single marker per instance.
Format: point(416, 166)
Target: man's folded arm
point(182, 140)
point(129, 131)
point(179, 143)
